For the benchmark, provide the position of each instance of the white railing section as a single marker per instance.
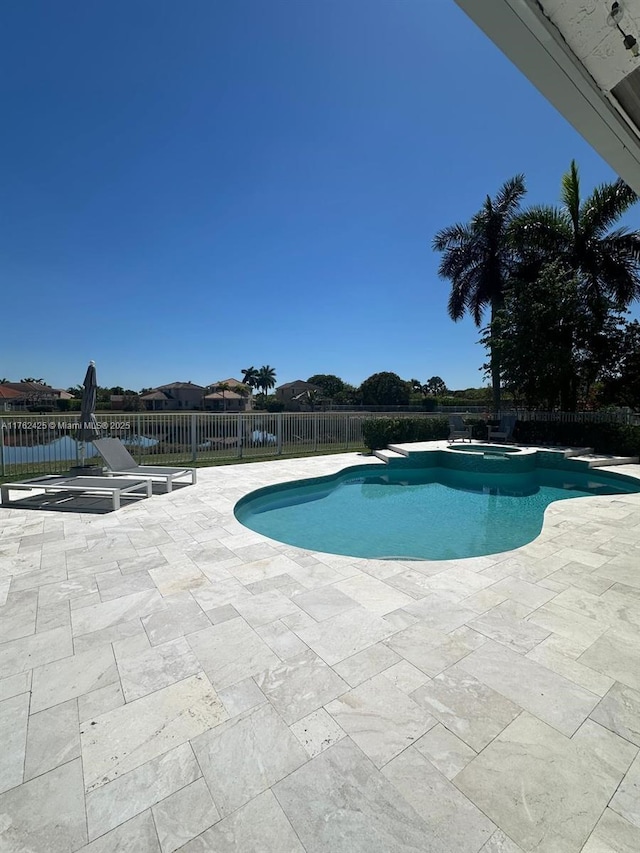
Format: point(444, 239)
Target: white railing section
point(47, 443)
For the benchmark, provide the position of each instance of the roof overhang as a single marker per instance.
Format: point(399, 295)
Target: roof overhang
point(532, 43)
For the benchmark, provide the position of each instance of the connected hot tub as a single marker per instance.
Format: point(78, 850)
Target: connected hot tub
point(488, 458)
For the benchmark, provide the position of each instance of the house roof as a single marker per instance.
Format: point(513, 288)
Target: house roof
point(297, 383)
point(7, 393)
point(174, 386)
point(228, 395)
point(154, 395)
point(29, 387)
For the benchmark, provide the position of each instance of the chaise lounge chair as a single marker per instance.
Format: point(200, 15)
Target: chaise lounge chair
point(66, 487)
point(120, 462)
point(505, 430)
point(458, 429)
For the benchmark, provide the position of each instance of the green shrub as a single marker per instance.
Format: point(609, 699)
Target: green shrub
point(618, 439)
point(379, 432)
point(274, 406)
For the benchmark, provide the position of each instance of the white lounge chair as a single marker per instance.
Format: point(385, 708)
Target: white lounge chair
point(91, 486)
point(120, 462)
point(504, 431)
point(458, 429)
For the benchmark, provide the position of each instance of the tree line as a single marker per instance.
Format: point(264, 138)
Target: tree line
point(379, 389)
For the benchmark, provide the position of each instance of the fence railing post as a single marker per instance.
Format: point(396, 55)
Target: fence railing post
point(239, 435)
point(279, 432)
point(74, 433)
point(139, 436)
point(315, 433)
point(194, 437)
point(2, 470)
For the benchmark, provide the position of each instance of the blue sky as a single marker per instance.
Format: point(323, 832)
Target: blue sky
point(192, 188)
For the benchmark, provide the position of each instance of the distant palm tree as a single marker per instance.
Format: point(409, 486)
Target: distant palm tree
point(243, 390)
point(223, 387)
point(266, 378)
point(479, 260)
point(578, 233)
point(250, 376)
point(314, 398)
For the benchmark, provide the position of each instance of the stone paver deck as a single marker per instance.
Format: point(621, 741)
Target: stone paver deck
point(170, 680)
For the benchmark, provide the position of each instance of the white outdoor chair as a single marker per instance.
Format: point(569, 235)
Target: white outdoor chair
point(458, 429)
point(504, 431)
point(120, 462)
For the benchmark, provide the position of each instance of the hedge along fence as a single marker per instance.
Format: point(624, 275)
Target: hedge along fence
point(617, 439)
point(379, 432)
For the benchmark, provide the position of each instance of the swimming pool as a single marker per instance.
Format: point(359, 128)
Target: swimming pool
point(429, 512)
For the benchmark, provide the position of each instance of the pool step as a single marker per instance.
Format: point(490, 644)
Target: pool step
point(387, 455)
point(599, 460)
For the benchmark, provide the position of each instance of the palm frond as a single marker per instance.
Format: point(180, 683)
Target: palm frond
point(540, 229)
point(450, 236)
point(510, 195)
point(604, 207)
point(465, 291)
point(570, 195)
point(619, 267)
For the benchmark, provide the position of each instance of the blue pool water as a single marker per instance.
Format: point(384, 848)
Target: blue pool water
point(417, 513)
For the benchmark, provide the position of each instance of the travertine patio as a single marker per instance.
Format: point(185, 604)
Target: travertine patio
point(171, 680)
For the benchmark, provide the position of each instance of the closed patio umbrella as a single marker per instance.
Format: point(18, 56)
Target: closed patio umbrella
point(88, 425)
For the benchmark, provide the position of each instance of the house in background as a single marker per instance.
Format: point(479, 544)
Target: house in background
point(10, 400)
point(295, 395)
point(227, 401)
point(30, 395)
point(126, 402)
point(174, 397)
point(61, 394)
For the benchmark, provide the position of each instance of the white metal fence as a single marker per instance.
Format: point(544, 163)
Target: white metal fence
point(34, 444)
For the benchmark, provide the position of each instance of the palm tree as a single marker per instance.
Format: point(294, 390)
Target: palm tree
point(243, 390)
point(313, 399)
point(266, 378)
point(578, 233)
point(479, 260)
point(223, 387)
point(250, 376)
